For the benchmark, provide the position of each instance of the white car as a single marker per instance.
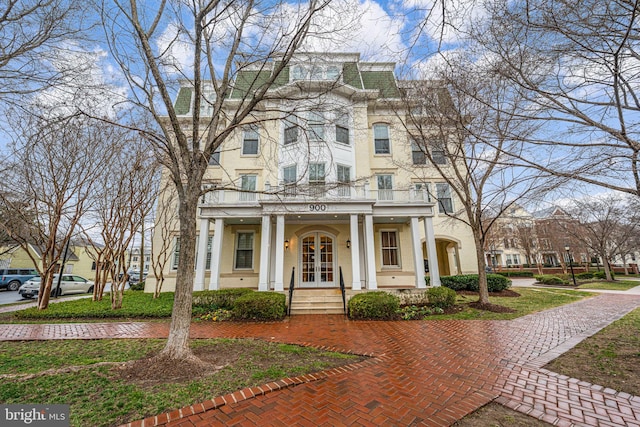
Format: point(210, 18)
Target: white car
point(70, 284)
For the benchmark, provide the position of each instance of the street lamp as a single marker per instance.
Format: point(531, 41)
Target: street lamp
point(573, 276)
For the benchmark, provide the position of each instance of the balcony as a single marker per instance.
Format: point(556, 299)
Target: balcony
point(334, 192)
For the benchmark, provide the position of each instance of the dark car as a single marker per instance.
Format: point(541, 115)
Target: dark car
point(13, 278)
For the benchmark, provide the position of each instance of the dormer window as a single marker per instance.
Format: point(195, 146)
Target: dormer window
point(315, 72)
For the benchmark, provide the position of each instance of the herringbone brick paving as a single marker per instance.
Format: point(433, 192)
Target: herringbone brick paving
point(421, 373)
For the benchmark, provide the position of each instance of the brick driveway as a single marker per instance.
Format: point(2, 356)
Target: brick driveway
point(421, 373)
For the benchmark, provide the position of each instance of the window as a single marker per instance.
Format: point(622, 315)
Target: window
point(443, 193)
point(176, 254)
point(422, 191)
point(290, 130)
point(316, 73)
point(299, 72)
point(93, 266)
point(417, 155)
point(342, 128)
point(315, 125)
point(290, 177)
point(439, 157)
point(344, 179)
point(248, 186)
point(333, 72)
point(381, 139)
point(316, 179)
point(385, 187)
point(389, 245)
point(208, 261)
point(214, 160)
point(244, 250)
point(250, 141)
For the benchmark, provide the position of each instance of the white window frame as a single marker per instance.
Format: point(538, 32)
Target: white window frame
point(316, 126)
point(344, 183)
point(317, 186)
point(237, 248)
point(248, 194)
point(385, 193)
point(249, 130)
point(342, 127)
point(441, 206)
point(291, 129)
point(395, 248)
point(387, 139)
point(289, 184)
point(175, 256)
point(416, 149)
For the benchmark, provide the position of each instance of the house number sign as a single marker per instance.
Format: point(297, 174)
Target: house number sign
point(317, 207)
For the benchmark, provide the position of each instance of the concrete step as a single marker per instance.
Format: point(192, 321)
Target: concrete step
point(317, 301)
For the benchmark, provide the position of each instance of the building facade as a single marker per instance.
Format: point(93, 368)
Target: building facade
point(323, 185)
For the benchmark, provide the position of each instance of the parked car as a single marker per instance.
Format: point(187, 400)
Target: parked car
point(70, 284)
point(13, 278)
point(134, 277)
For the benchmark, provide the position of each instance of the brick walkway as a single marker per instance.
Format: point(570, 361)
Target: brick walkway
point(421, 373)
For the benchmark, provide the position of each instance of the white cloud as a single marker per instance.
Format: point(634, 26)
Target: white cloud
point(89, 83)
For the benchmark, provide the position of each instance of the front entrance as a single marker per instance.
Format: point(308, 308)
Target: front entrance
point(318, 270)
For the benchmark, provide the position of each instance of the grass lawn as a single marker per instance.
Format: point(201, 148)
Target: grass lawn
point(618, 285)
point(530, 301)
point(103, 395)
point(610, 358)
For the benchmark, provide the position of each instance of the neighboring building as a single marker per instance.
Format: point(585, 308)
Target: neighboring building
point(333, 183)
point(136, 259)
point(79, 259)
point(538, 239)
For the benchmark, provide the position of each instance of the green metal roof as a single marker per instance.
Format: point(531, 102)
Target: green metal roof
point(351, 75)
point(384, 81)
point(183, 101)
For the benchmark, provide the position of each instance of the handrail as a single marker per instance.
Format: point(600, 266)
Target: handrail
point(293, 270)
point(344, 298)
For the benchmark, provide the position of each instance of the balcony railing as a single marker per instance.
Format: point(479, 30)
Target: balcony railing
point(327, 192)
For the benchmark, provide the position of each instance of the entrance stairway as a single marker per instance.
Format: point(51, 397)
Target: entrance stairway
point(317, 301)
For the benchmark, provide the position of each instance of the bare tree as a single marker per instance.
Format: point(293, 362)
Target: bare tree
point(54, 173)
point(606, 227)
point(123, 200)
point(577, 66)
point(219, 40)
point(462, 134)
point(165, 210)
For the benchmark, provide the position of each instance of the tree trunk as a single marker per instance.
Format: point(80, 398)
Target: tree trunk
point(483, 290)
point(177, 346)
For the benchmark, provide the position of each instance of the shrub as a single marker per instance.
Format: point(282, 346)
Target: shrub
point(260, 306)
point(469, 282)
point(548, 279)
point(374, 305)
point(584, 276)
point(137, 286)
point(516, 273)
point(601, 275)
point(413, 312)
point(209, 301)
point(441, 297)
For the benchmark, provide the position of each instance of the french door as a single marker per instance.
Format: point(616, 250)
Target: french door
point(317, 257)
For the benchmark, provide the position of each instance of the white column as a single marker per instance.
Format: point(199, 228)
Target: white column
point(216, 254)
point(372, 281)
point(417, 253)
point(265, 253)
point(202, 254)
point(430, 238)
point(279, 268)
point(355, 253)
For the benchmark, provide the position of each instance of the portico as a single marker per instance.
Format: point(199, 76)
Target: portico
point(315, 238)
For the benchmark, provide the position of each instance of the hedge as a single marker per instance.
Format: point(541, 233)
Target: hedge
point(516, 273)
point(470, 282)
point(208, 301)
point(549, 279)
point(260, 306)
point(442, 297)
point(374, 305)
